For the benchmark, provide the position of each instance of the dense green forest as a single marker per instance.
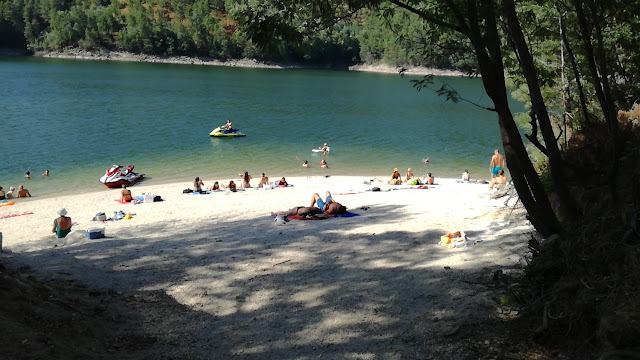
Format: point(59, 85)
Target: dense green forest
point(210, 28)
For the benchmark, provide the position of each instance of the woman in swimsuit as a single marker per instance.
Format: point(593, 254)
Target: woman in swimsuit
point(62, 225)
point(283, 183)
point(396, 179)
point(215, 187)
point(246, 178)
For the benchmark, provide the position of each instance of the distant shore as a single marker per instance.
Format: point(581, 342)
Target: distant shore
point(79, 54)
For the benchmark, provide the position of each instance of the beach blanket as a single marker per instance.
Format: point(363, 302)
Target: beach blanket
point(14, 215)
point(322, 217)
point(123, 202)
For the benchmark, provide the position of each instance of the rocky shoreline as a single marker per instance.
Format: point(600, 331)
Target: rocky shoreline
point(79, 54)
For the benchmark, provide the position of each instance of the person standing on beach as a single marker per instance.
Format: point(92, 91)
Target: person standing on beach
point(496, 164)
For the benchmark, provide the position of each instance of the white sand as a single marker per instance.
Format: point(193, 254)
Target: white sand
point(373, 286)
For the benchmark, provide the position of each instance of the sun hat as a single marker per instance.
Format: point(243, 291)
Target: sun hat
point(395, 169)
point(62, 212)
point(409, 169)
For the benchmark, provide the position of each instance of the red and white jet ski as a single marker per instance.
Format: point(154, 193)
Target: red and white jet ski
point(117, 175)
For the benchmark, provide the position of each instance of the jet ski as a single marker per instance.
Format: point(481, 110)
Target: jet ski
point(219, 132)
point(117, 175)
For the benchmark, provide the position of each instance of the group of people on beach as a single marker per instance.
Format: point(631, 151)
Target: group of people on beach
point(245, 182)
point(496, 169)
point(22, 193)
point(409, 178)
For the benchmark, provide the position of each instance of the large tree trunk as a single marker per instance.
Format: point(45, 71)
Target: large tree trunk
point(556, 165)
point(489, 54)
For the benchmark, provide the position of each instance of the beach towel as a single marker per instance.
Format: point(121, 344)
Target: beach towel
point(14, 215)
point(123, 202)
point(321, 216)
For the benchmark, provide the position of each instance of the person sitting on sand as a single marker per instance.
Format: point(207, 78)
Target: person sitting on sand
point(396, 179)
point(465, 175)
point(429, 179)
point(22, 192)
point(197, 185)
point(501, 179)
point(246, 180)
point(264, 180)
point(9, 194)
point(409, 175)
point(328, 205)
point(2, 193)
point(305, 164)
point(283, 182)
point(125, 194)
point(215, 186)
point(323, 164)
point(62, 225)
point(231, 187)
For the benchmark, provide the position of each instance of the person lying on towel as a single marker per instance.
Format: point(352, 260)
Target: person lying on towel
point(328, 206)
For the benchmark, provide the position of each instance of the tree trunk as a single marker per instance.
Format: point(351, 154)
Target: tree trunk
point(489, 54)
point(556, 165)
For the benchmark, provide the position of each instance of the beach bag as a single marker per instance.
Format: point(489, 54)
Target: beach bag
point(395, 182)
point(187, 191)
point(375, 189)
point(415, 181)
point(157, 198)
point(100, 217)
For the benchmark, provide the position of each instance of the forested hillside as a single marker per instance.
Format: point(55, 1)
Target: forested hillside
point(211, 28)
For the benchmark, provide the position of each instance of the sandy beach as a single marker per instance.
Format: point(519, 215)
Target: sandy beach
point(223, 280)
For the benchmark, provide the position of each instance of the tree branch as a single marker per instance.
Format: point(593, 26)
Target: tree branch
point(427, 16)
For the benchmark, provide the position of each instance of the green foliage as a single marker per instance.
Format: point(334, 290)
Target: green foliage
point(224, 29)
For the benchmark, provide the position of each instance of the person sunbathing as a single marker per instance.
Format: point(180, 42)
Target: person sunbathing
point(246, 180)
point(197, 185)
point(264, 180)
point(409, 175)
point(62, 224)
point(283, 182)
point(396, 179)
point(215, 187)
point(501, 179)
point(328, 205)
point(125, 194)
point(231, 187)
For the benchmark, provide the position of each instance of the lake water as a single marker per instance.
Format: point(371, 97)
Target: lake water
point(76, 118)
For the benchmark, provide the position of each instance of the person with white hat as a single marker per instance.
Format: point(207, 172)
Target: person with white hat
point(62, 225)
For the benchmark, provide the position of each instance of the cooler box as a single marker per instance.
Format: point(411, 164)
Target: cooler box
point(95, 233)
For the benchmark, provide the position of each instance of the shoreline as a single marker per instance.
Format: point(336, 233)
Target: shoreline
point(78, 54)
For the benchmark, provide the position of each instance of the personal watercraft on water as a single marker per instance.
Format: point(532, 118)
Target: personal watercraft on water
point(117, 175)
point(219, 132)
